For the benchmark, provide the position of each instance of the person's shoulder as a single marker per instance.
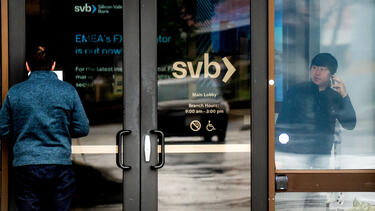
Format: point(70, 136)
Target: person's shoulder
point(61, 87)
point(15, 89)
point(65, 91)
point(67, 86)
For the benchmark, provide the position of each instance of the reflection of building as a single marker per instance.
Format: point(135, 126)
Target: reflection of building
point(117, 85)
point(98, 82)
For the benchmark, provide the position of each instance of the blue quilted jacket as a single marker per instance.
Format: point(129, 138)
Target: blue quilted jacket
point(40, 116)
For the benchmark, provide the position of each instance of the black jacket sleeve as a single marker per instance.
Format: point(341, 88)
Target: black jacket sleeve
point(346, 114)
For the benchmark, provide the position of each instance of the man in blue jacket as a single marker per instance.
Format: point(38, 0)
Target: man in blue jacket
point(40, 116)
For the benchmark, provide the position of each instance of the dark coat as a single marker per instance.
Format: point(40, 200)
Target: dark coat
point(42, 114)
point(308, 117)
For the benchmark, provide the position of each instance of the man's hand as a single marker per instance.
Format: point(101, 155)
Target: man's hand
point(339, 86)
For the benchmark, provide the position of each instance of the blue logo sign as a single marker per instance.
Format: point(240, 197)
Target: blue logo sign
point(85, 8)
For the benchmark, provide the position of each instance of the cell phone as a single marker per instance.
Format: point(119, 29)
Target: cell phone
point(332, 81)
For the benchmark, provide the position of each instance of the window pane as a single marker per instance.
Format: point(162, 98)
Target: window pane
point(325, 72)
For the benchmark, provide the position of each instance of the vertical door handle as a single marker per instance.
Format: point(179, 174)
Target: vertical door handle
point(120, 144)
point(147, 148)
point(160, 135)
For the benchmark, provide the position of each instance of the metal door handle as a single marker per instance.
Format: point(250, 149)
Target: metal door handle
point(119, 141)
point(160, 135)
point(147, 148)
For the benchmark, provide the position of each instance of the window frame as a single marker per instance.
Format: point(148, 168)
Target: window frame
point(356, 180)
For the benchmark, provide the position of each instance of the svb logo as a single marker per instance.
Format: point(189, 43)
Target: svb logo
point(180, 70)
point(85, 8)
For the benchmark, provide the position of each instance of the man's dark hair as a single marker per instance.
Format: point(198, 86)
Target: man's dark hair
point(325, 60)
point(40, 59)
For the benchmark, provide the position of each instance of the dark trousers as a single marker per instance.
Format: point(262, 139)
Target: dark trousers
point(44, 187)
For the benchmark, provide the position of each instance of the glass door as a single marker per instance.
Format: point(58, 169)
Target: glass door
point(164, 84)
point(87, 39)
point(322, 112)
point(197, 93)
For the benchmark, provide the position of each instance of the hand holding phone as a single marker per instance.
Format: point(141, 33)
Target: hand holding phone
point(338, 85)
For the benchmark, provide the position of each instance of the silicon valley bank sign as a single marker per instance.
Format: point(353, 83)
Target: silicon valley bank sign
point(99, 9)
point(182, 69)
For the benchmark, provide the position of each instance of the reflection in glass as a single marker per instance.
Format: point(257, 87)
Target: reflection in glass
point(347, 201)
point(320, 105)
point(204, 104)
point(311, 109)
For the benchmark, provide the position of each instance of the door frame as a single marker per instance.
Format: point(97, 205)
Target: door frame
point(13, 71)
point(131, 97)
point(4, 90)
point(148, 105)
point(260, 185)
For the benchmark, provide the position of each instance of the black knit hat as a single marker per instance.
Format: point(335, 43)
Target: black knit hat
point(325, 60)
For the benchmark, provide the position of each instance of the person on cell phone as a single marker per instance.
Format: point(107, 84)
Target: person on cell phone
point(306, 122)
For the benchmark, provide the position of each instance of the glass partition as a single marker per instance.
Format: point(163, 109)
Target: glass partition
point(324, 74)
point(86, 39)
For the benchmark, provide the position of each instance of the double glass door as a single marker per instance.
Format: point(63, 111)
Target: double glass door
point(166, 87)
